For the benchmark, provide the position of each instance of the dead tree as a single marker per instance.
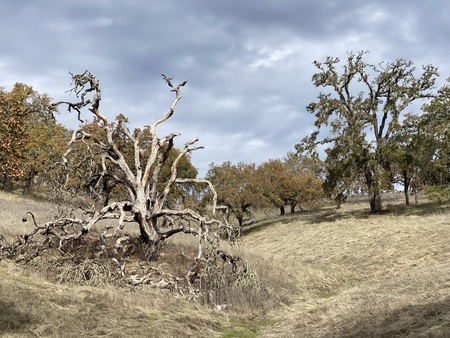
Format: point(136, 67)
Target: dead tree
point(144, 196)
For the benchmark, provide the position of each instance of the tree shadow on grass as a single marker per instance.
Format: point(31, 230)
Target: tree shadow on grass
point(428, 320)
point(13, 320)
point(333, 214)
point(422, 210)
point(286, 219)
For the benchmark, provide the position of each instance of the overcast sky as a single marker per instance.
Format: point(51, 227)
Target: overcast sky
point(248, 63)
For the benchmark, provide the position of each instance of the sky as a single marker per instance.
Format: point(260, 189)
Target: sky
point(248, 63)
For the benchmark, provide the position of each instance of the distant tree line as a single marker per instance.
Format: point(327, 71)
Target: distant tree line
point(245, 187)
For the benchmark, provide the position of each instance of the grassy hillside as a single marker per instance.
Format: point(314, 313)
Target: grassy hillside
point(363, 275)
point(33, 303)
point(31, 306)
point(341, 273)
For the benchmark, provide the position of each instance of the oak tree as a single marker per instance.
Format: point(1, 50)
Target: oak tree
point(287, 183)
point(307, 174)
point(410, 155)
point(30, 138)
point(44, 147)
point(358, 114)
point(238, 187)
point(275, 183)
point(434, 127)
point(14, 112)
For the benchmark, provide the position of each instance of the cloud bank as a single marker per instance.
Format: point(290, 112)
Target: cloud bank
point(249, 64)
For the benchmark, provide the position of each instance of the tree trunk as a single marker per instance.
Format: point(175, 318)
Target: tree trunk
point(416, 196)
point(26, 188)
point(293, 204)
point(406, 183)
point(375, 201)
point(373, 187)
point(150, 248)
point(240, 221)
point(7, 183)
point(282, 212)
point(149, 240)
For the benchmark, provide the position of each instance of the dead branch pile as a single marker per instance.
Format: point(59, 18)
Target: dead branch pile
point(74, 256)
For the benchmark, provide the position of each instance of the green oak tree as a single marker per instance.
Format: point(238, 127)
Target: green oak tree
point(357, 115)
point(435, 132)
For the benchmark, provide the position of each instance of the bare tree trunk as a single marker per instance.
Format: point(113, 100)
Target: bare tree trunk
point(282, 212)
point(150, 248)
point(149, 240)
point(240, 221)
point(375, 201)
point(28, 183)
point(406, 184)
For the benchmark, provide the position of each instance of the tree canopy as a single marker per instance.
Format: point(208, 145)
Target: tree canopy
point(361, 111)
point(30, 138)
point(434, 139)
point(238, 188)
point(292, 182)
point(245, 187)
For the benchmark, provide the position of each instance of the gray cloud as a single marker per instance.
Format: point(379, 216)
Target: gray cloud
point(249, 64)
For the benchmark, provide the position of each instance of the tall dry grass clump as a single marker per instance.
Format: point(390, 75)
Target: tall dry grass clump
point(246, 286)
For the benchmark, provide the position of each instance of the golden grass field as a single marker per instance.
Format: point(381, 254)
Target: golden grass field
point(337, 273)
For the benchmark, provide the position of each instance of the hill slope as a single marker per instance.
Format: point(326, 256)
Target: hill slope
point(358, 275)
point(363, 275)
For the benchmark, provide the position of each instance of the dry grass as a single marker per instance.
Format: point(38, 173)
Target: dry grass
point(363, 275)
point(358, 275)
point(31, 306)
point(31, 298)
point(13, 208)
